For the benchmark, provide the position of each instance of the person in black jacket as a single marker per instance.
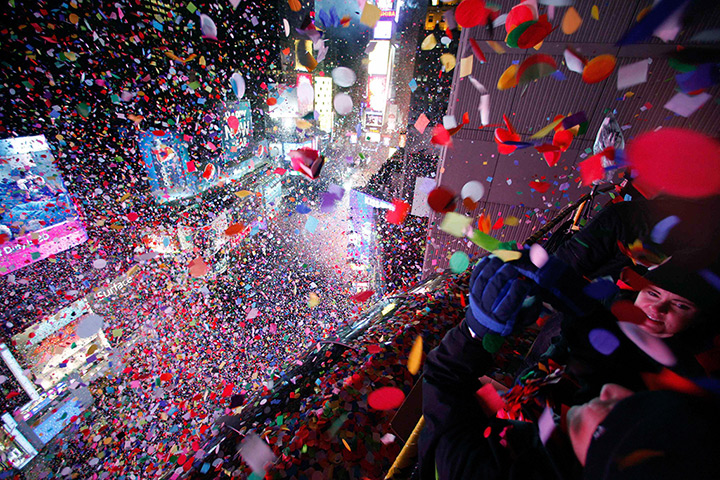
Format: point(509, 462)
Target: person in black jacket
point(616, 435)
point(645, 232)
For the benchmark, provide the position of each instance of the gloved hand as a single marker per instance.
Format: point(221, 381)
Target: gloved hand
point(499, 298)
point(559, 284)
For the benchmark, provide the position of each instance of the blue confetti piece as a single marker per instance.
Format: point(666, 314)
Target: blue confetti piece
point(413, 84)
point(158, 26)
point(311, 224)
point(600, 289)
point(710, 277)
point(603, 341)
point(558, 75)
point(662, 229)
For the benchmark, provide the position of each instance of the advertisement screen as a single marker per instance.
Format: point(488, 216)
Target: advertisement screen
point(237, 130)
point(54, 423)
point(171, 174)
point(37, 216)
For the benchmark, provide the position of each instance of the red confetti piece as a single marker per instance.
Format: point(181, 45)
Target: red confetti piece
point(398, 214)
point(228, 390)
point(440, 136)
point(552, 158)
point(540, 187)
point(563, 139)
point(669, 380)
point(441, 200)
point(592, 170)
point(490, 400)
point(477, 51)
point(535, 33)
point(386, 398)
point(626, 311)
point(362, 296)
point(657, 161)
point(471, 13)
point(235, 228)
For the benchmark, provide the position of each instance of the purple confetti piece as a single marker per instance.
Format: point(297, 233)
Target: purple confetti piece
point(661, 230)
point(603, 341)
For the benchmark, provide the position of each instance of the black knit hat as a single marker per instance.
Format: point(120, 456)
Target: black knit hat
point(657, 435)
point(696, 286)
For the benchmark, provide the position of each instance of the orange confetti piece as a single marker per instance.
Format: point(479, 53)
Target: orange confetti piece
point(415, 358)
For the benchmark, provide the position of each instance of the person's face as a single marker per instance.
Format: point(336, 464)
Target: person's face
point(583, 420)
point(666, 313)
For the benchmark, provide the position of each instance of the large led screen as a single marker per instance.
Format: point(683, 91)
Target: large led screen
point(38, 218)
point(237, 130)
point(171, 173)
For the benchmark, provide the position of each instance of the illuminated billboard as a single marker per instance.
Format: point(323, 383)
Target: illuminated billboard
point(383, 30)
point(59, 345)
point(237, 130)
point(38, 218)
point(162, 240)
point(377, 93)
point(170, 172)
point(379, 57)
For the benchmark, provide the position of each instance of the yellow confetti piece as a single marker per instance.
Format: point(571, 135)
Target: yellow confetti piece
point(508, 79)
point(346, 445)
point(415, 358)
point(507, 255)
point(547, 129)
point(595, 12)
point(243, 193)
point(497, 47)
point(448, 61)
point(512, 221)
point(123, 198)
point(571, 21)
point(313, 300)
point(429, 42)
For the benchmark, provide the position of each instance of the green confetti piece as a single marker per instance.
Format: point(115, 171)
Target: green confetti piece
point(459, 262)
point(492, 342)
point(581, 242)
point(455, 224)
point(35, 255)
point(485, 241)
point(191, 8)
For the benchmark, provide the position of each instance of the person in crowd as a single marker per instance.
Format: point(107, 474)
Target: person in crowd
point(618, 434)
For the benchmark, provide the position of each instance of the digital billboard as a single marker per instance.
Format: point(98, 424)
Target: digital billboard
point(237, 130)
point(38, 218)
point(170, 172)
point(53, 347)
